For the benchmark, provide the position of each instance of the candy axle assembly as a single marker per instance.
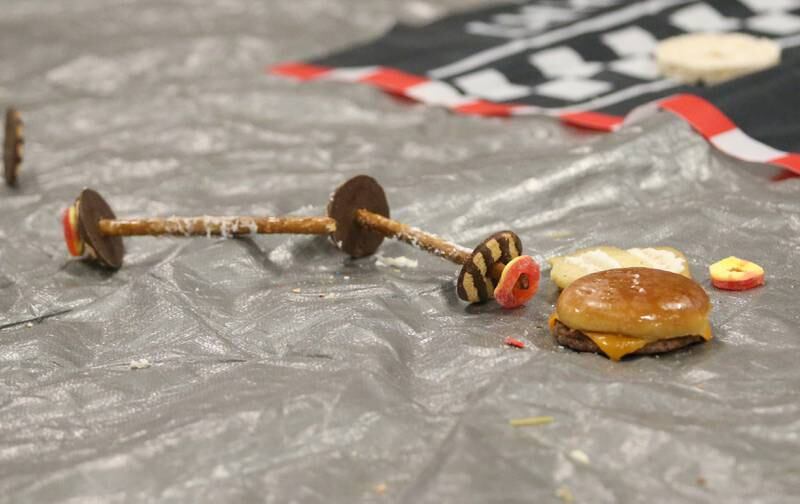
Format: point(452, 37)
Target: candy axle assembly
point(92, 230)
point(357, 222)
point(494, 269)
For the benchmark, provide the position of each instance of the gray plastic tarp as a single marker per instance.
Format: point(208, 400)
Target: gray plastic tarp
point(284, 372)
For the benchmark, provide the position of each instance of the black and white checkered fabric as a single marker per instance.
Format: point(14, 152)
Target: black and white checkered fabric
point(577, 54)
point(590, 63)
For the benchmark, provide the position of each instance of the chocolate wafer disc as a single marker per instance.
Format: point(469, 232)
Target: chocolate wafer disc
point(107, 250)
point(13, 146)
point(359, 192)
point(475, 283)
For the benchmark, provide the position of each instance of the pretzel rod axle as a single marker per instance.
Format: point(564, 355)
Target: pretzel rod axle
point(216, 226)
point(431, 243)
point(357, 222)
point(393, 229)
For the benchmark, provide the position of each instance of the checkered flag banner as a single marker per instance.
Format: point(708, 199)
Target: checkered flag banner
point(589, 63)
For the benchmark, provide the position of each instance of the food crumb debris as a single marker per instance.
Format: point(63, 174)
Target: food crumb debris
point(322, 295)
point(579, 456)
point(565, 494)
point(397, 262)
point(380, 488)
point(557, 234)
point(140, 364)
point(220, 472)
point(297, 291)
point(346, 277)
point(281, 256)
point(531, 421)
point(29, 324)
point(514, 342)
point(701, 481)
point(423, 10)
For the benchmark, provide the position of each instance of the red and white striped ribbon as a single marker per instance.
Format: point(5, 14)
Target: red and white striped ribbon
point(701, 114)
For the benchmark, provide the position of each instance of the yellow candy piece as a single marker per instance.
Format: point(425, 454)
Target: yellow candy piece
point(733, 273)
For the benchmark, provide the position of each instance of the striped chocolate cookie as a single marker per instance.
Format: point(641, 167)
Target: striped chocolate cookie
point(477, 279)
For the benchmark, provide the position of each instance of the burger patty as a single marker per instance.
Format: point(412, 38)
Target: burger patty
point(576, 340)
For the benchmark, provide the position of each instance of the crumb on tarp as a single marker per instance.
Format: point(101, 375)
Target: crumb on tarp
point(297, 291)
point(29, 324)
point(514, 342)
point(380, 488)
point(397, 262)
point(531, 421)
point(140, 364)
point(579, 456)
point(558, 233)
point(565, 494)
point(281, 255)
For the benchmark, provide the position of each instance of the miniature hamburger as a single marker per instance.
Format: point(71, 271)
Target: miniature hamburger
point(631, 311)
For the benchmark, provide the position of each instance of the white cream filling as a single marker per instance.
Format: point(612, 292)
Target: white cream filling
point(593, 261)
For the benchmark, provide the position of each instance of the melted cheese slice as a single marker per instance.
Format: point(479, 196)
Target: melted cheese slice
point(617, 346)
point(706, 332)
point(552, 321)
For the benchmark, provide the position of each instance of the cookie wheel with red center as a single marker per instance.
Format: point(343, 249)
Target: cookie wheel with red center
point(82, 232)
point(484, 267)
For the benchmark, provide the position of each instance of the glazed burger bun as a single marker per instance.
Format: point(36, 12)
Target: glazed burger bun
point(640, 302)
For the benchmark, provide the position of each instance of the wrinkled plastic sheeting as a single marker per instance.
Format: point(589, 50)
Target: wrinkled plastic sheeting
point(284, 372)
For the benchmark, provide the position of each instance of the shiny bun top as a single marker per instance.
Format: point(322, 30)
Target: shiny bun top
point(642, 302)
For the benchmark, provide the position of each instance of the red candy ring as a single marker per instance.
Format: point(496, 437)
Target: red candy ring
point(69, 222)
point(510, 292)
